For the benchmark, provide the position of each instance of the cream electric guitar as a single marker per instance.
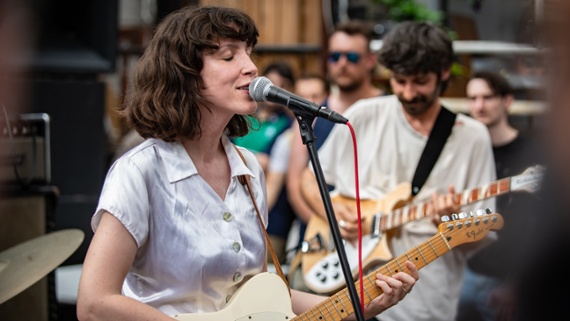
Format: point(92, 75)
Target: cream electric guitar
point(265, 297)
point(320, 264)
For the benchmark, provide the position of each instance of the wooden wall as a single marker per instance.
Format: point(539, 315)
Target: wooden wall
point(289, 30)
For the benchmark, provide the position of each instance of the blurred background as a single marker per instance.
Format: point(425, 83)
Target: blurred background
point(59, 130)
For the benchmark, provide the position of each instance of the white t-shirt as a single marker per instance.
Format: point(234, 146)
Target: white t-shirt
point(279, 156)
point(388, 152)
point(194, 250)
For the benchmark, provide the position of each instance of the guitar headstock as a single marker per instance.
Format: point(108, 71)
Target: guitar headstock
point(529, 180)
point(469, 227)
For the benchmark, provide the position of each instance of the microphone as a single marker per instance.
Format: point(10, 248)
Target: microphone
point(262, 89)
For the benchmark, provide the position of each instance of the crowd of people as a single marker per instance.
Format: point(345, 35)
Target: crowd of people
point(182, 218)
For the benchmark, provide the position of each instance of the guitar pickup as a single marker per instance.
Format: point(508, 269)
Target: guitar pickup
point(313, 245)
point(375, 226)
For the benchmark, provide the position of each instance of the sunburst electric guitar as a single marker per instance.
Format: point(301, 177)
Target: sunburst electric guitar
point(265, 297)
point(320, 264)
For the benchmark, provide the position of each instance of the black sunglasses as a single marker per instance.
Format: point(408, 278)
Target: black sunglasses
point(351, 56)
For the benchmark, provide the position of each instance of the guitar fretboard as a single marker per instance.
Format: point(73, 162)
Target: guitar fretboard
point(413, 212)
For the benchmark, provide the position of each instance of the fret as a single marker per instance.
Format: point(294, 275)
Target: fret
point(505, 185)
point(445, 241)
point(397, 218)
point(490, 190)
point(421, 210)
point(404, 213)
point(420, 253)
point(389, 271)
point(373, 284)
point(313, 311)
point(414, 212)
point(433, 249)
point(401, 268)
point(471, 196)
point(337, 311)
point(342, 303)
point(370, 297)
point(329, 311)
point(320, 312)
point(430, 208)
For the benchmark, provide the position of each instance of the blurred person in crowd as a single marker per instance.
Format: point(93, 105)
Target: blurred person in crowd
point(314, 88)
point(350, 67)
point(487, 292)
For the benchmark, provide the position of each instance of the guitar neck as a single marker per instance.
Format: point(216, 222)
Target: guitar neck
point(339, 305)
point(413, 212)
point(450, 234)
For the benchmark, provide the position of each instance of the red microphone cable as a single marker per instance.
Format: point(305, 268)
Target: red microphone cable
point(357, 195)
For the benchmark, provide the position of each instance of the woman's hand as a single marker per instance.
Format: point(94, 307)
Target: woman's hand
point(393, 289)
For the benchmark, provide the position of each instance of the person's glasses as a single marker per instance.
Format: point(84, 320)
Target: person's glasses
point(351, 56)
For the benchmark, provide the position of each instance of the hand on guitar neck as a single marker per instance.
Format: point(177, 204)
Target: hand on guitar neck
point(444, 205)
point(346, 211)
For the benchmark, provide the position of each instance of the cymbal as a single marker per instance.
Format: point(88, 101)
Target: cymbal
point(24, 264)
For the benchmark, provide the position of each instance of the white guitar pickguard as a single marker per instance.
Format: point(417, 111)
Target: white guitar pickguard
point(327, 275)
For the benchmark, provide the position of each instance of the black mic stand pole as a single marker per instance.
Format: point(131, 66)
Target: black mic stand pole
point(308, 137)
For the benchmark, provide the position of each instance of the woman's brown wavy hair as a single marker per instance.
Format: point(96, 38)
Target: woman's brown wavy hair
point(163, 98)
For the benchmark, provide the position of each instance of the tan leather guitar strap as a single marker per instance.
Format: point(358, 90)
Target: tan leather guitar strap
point(244, 180)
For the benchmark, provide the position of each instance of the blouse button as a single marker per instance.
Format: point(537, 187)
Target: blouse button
point(228, 216)
point(237, 277)
point(237, 247)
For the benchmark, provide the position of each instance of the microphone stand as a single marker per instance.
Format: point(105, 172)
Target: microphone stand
point(308, 136)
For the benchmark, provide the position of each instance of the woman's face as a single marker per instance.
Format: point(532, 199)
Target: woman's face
point(227, 73)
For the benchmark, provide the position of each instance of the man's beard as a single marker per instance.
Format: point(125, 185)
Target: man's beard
point(350, 86)
point(420, 103)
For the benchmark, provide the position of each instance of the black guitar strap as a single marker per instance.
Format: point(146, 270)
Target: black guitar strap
point(436, 141)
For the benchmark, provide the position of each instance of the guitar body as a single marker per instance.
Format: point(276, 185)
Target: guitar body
point(264, 297)
point(375, 248)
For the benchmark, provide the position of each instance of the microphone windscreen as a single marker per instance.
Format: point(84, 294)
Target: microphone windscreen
point(258, 87)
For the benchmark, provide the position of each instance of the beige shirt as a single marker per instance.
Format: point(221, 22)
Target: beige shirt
point(388, 152)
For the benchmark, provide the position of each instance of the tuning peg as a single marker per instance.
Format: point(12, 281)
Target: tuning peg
point(444, 219)
point(463, 215)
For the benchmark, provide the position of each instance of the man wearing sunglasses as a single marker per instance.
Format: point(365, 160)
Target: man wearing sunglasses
point(350, 67)
point(391, 134)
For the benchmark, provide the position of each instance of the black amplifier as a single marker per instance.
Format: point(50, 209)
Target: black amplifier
point(25, 149)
